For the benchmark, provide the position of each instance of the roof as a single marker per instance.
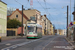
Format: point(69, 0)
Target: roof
point(20, 13)
point(3, 2)
point(33, 9)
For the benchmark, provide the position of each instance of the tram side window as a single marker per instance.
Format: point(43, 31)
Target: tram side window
point(39, 30)
point(36, 30)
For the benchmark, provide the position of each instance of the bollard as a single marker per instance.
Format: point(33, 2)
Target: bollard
point(0, 38)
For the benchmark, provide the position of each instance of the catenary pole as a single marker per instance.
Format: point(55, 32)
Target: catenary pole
point(22, 21)
point(67, 21)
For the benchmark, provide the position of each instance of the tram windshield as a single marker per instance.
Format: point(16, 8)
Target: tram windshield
point(30, 29)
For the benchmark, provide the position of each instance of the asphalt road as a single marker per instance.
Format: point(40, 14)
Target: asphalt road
point(44, 43)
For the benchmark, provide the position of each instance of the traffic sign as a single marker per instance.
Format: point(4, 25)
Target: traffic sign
point(74, 22)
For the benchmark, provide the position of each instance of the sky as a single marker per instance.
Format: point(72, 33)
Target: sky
point(56, 10)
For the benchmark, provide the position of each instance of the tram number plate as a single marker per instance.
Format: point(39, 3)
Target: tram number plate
point(30, 33)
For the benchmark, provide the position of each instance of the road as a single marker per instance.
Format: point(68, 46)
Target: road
point(44, 43)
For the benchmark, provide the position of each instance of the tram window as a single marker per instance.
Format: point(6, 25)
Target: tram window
point(30, 29)
point(36, 30)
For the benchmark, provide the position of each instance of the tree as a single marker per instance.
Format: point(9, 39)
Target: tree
point(13, 23)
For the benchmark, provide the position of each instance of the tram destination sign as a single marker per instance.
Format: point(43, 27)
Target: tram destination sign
point(32, 18)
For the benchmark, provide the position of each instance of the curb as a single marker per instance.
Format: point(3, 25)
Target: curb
point(12, 37)
point(69, 42)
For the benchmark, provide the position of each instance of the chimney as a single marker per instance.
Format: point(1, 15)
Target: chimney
point(45, 15)
point(41, 15)
point(17, 9)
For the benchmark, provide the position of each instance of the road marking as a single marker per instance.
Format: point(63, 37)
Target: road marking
point(64, 47)
point(8, 44)
point(49, 43)
point(21, 44)
point(17, 45)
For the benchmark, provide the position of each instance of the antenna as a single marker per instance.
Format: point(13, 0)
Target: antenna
point(31, 4)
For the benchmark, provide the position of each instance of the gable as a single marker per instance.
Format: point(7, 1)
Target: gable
point(19, 13)
point(13, 16)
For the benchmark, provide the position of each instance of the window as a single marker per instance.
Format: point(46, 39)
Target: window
point(0, 27)
point(16, 16)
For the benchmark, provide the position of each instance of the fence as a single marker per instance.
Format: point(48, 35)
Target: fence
point(10, 33)
point(12, 30)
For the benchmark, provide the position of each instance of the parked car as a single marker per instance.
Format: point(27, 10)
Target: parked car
point(0, 38)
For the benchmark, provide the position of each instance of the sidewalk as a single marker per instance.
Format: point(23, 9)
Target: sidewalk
point(70, 41)
point(11, 37)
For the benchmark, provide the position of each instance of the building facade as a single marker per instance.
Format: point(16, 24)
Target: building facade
point(43, 24)
point(33, 13)
point(60, 32)
point(51, 29)
point(3, 18)
point(17, 14)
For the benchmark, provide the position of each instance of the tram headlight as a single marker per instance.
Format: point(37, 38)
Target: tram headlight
point(33, 32)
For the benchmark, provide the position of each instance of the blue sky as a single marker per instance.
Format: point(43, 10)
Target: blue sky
point(56, 9)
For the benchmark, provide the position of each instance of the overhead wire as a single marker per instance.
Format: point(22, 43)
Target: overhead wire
point(42, 7)
point(22, 4)
point(47, 9)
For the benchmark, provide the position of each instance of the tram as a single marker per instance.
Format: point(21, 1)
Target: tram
point(34, 30)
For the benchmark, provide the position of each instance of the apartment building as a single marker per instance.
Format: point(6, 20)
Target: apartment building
point(43, 21)
point(51, 29)
point(33, 13)
point(3, 18)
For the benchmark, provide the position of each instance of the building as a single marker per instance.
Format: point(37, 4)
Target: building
point(60, 32)
point(43, 23)
point(33, 13)
point(3, 18)
point(51, 29)
point(47, 26)
point(54, 29)
point(30, 15)
point(27, 15)
point(17, 14)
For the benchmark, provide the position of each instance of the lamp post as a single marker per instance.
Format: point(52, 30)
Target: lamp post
point(67, 21)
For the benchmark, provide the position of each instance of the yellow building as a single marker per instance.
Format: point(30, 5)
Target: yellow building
point(3, 18)
point(51, 29)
